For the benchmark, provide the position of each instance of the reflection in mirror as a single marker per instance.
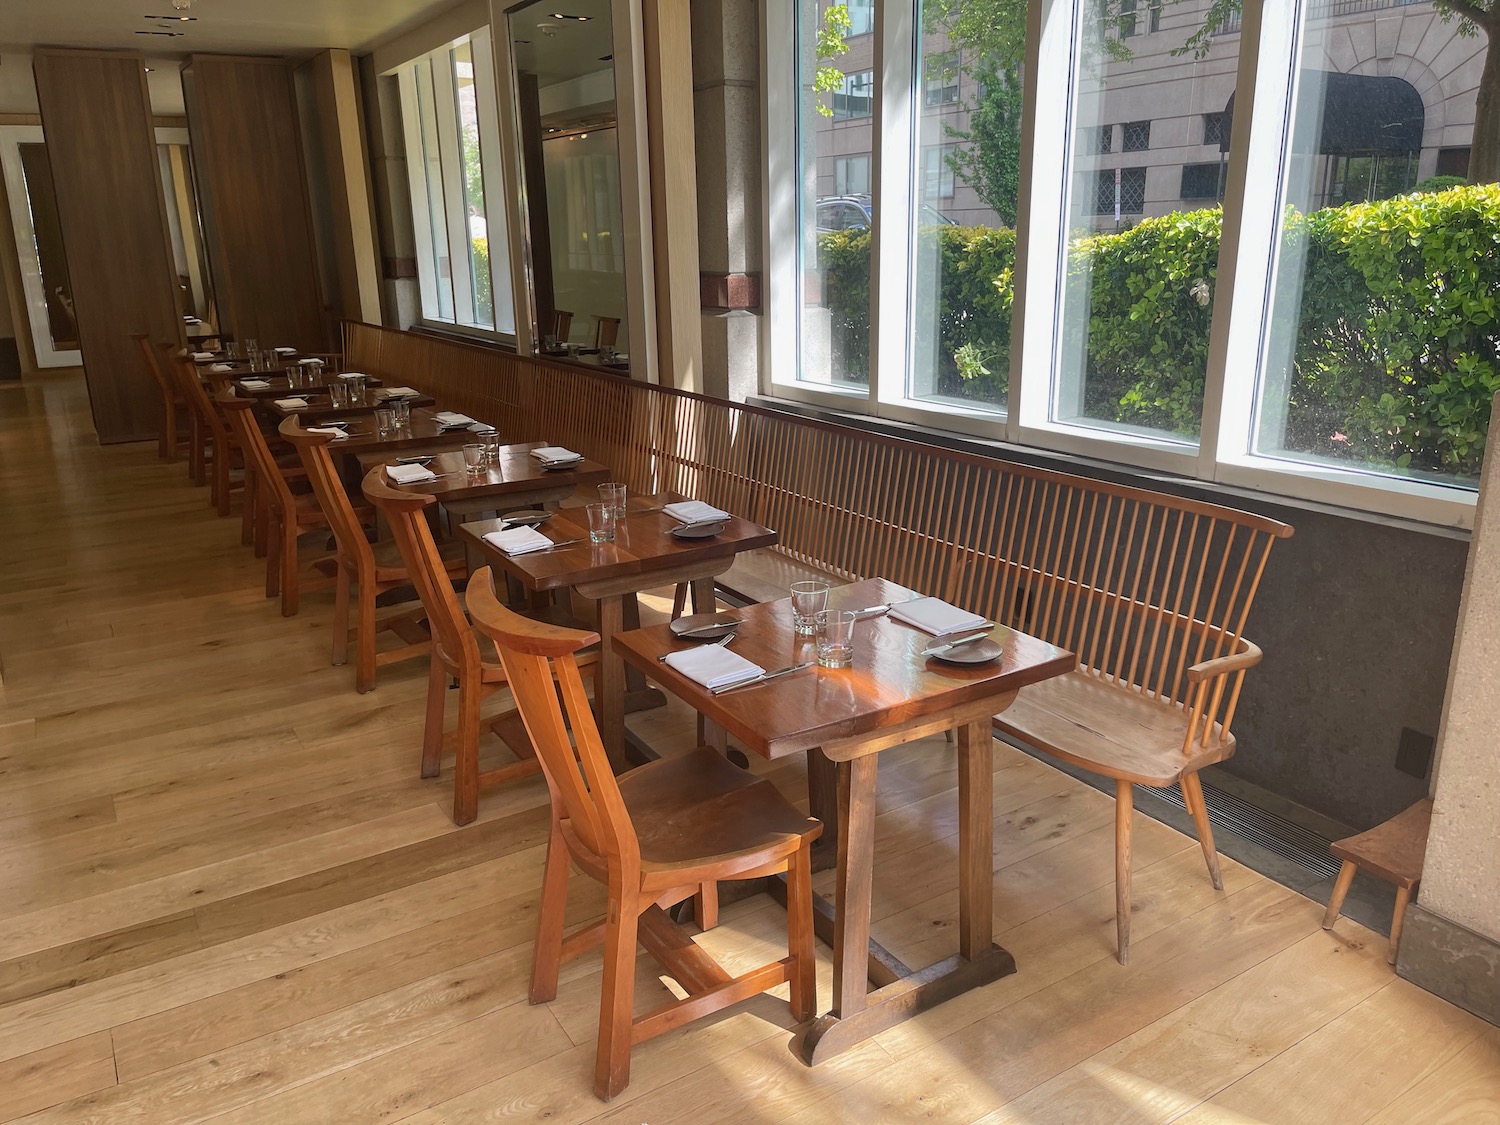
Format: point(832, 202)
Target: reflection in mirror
point(565, 93)
point(57, 289)
point(189, 257)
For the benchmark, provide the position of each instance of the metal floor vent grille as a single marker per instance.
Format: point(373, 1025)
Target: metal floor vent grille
point(1257, 826)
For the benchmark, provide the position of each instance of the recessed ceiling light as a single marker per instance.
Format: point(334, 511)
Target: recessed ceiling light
point(168, 34)
point(179, 19)
point(565, 16)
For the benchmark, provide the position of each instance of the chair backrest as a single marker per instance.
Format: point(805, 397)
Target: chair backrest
point(353, 548)
point(542, 671)
point(153, 360)
point(606, 331)
point(239, 415)
point(188, 382)
point(562, 324)
point(405, 513)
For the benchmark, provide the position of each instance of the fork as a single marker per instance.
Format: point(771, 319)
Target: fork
point(721, 642)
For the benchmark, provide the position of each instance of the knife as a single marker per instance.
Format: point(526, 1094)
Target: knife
point(732, 623)
point(763, 677)
point(938, 650)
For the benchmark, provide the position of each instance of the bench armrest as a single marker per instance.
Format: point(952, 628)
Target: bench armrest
point(1247, 657)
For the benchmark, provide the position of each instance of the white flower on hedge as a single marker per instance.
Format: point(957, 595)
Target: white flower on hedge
point(1200, 292)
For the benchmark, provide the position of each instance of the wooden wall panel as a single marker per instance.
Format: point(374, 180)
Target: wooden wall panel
point(242, 113)
point(97, 121)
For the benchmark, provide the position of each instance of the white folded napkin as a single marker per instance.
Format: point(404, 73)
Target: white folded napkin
point(451, 418)
point(220, 367)
point(409, 474)
point(396, 392)
point(254, 384)
point(285, 351)
point(353, 375)
point(291, 403)
point(935, 616)
point(518, 540)
point(694, 511)
point(555, 455)
point(203, 355)
point(334, 430)
point(714, 666)
point(311, 362)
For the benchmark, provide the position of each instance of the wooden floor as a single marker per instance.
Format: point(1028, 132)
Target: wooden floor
point(225, 894)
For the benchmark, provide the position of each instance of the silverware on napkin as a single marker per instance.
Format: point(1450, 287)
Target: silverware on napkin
point(763, 677)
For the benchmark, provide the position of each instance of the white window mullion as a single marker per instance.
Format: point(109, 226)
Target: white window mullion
point(891, 229)
point(416, 172)
point(453, 187)
point(780, 328)
point(492, 165)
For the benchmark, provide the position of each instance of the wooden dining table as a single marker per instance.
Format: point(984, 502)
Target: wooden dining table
point(514, 480)
point(645, 555)
point(278, 387)
point(842, 718)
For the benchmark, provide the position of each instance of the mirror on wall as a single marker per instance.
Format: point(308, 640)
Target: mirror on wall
point(195, 295)
point(563, 58)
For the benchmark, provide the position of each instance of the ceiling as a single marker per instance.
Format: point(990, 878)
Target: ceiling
point(287, 27)
point(556, 50)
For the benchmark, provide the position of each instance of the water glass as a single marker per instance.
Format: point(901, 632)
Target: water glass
point(356, 389)
point(490, 439)
point(338, 394)
point(252, 345)
point(294, 380)
point(474, 458)
point(601, 522)
point(834, 638)
point(808, 600)
point(613, 494)
point(385, 421)
point(607, 354)
point(400, 413)
point(231, 350)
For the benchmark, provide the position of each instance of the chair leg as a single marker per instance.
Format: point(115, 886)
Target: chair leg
point(799, 935)
point(364, 642)
point(196, 467)
point(1192, 796)
point(1403, 897)
point(706, 906)
point(340, 654)
point(273, 558)
point(466, 754)
point(617, 996)
point(1124, 821)
point(247, 508)
point(679, 600)
point(432, 729)
point(1340, 889)
point(546, 957)
point(288, 564)
point(164, 441)
point(221, 480)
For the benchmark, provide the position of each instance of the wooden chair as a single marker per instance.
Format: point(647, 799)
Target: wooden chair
point(269, 497)
point(175, 415)
point(1394, 851)
point(560, 325)
point(203, 428)
point(606, 331)
point(455, 653)
point(368, 570)
point(654, 836)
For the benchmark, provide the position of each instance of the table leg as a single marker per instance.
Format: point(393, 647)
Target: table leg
point(822, 802)
point(851, 925)
point(976, 876)
point(611, 697)
point(705, 597)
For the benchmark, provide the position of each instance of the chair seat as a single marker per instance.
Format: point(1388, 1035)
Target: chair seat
point(700, 810)
point(390, 568)
point(1395, 850)
point(1111, 729)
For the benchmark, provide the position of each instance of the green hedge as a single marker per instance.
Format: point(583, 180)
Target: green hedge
point(1396, 311)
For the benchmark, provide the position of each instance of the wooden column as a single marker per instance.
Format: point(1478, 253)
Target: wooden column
point(242, 114)
point(667, 26)
point(97, 119)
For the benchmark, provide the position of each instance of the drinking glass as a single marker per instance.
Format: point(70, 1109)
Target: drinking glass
point(490, 439)
point(601, 522)
point(401, 413)
point(338, 394)
point(252, 345)
point(474, 458)
point(356, 389)
point(385, 421)
point(294, 378)
point(606, 354)
point(231, 350)
point(808, 600)
point(834, 638)
point(613, 494)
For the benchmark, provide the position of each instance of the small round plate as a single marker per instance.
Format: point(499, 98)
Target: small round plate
point(975, 652)
point(528, 518)
point(698, 531)
point(558, 466)
point(724, 622)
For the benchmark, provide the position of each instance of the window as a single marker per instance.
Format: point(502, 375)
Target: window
point(1216, 128)
point(937, 172)
point(1202, 181)
point(851, 175)
point(1127, 24)
point(1136, 136)
point(942, 80)
point(452, 146)
point(1349, 364)
point(861, 16)
point(854, 98)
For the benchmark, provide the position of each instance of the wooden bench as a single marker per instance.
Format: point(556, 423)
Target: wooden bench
point(1153, 592)
point(1393, 851)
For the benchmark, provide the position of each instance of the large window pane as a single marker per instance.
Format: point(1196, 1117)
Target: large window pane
point(967, 161)
point(482, 312)
point(435, 214)
point(1140, 257)
point(1381, 334)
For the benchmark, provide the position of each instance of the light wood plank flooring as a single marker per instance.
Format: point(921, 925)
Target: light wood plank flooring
point(225, 894)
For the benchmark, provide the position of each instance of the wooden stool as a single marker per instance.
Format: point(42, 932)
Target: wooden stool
point(1393, 851)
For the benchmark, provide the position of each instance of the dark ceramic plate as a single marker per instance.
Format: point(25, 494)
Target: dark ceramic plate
point(698, 530)
point(527, 519)
point(975, 652)
point(722, 623)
